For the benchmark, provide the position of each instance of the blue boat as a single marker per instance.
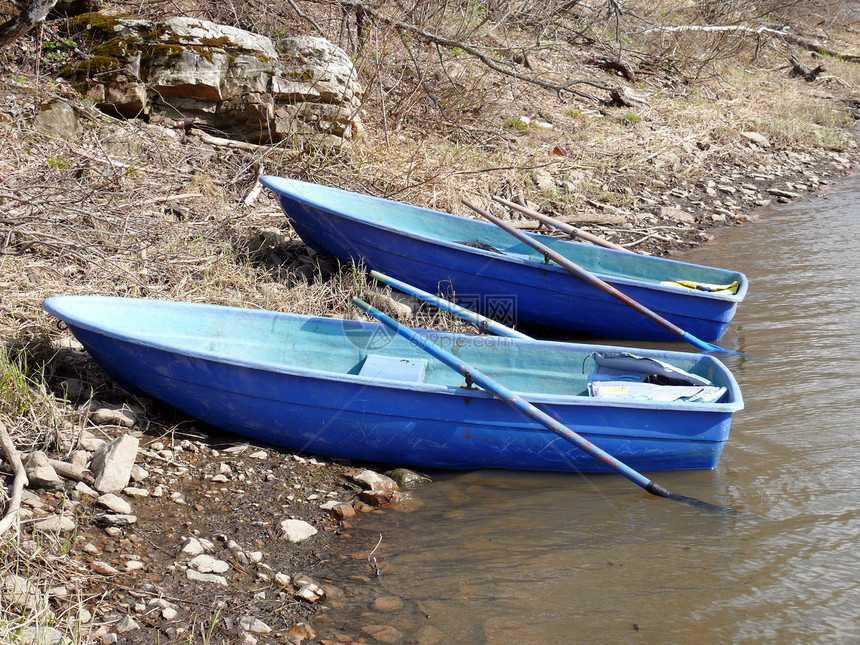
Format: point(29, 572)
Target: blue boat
point(354, 390)
point(484, 268)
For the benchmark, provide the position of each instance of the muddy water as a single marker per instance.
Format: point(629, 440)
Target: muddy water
point(495, 557)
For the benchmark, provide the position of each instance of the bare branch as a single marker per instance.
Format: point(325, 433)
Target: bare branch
point(18, 483)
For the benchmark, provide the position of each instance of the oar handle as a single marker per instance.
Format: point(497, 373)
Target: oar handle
point(562, 226)
point(592, 279)
point(446, 305)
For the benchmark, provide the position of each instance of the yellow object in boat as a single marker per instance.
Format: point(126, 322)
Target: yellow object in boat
point(703, 286)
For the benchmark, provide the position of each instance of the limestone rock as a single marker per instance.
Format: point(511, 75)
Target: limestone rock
point(40, 473)
point(21, 594)
point(297, 530)
point(253, 625)
point(42, 635)
point(55, 524)
point(196, 576)
point(59, 119)
point(380, 490)
point(218, 76)
point(207, 564)
point(112, 464)
point(115, 503)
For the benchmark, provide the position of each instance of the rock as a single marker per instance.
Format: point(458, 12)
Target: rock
point(756, 138)
point(59, 119)
point(55, 524)
point(119, 519)
point(544, 181)
point(42, 635)
point(80, 458)
point(112, 464)
point(138, 474)
point(133, 565)
point(676, 214)
point(259, 454)
point(207, 564)
point(115, 416)
point(103, 568)
point(297, 530)
point(406, 478)
point(88, 441)
point(196, 576)
point(21, 594)
point(192, 546)
point(133, 491)
point(786, 194)
point(343, 510)
point(115, 503)
point(40, 473)
point(218, 76)
point(371, 480)
point(253, 625)
point(383, 633)
point(282, 579)
point(127, 624)
point(302, 632)
point(387, 603)
point(169, 613)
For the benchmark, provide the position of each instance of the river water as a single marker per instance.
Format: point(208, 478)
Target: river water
point(512, 557)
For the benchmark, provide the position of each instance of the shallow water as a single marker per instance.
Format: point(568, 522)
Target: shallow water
point(508, 557)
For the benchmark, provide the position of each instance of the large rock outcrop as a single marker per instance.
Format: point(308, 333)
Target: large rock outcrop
point(227, 79)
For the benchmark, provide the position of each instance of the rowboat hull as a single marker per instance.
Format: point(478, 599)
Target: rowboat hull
point(419, 246)
point(190, 357)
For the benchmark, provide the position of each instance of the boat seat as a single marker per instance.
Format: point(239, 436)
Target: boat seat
point(394, 368)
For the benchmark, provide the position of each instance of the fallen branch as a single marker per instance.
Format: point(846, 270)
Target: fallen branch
point(18, 483)
point(807, 73)
point(70, 471)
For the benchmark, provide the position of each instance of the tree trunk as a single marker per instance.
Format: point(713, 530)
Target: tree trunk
point(34, 13)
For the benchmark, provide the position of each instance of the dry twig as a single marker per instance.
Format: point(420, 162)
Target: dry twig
point(18, 483)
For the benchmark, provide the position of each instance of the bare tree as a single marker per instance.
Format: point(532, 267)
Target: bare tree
point(33, 13)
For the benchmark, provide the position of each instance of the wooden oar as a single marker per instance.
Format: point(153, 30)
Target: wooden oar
point(592, 279)
point(446, 305)
point(567, 228)
point(517, 402)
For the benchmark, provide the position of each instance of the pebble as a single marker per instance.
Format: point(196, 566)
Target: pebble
point(115, 503)
point(120, 519)
point(196, 576)
point(133, 491)
point(84, 489)
point(103, 568)
point(169, 613)
point(192, 546)
point(127, 624)
point(297, 530)
point(253, 625)
point(55, 524)
point(207, 564)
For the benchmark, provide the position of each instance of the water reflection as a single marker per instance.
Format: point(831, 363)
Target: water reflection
point(494, 557)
